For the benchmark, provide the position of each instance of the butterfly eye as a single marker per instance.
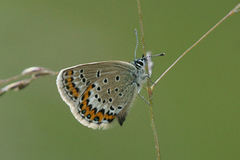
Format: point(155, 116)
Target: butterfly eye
point(141, 64)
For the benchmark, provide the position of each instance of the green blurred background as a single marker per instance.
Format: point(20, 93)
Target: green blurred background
point(196, 104)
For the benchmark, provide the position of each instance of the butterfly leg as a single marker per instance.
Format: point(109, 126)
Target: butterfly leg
point(139, 89)
point(143, 98)
point(147, 76)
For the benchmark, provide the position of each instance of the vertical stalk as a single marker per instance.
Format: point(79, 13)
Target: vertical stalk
point(149, 86)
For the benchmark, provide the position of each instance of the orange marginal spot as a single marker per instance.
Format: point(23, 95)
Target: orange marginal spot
point(70, 87)
point(109, 117)
point(75, 93)
point(100, 115)
point(87, 111)
point(92, 114)
point(86, 108)
point(70, 72)
point(69, 80)
point(85, 94)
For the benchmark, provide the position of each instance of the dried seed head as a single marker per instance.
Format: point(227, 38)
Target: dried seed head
point(37, 71)
point(15, 86)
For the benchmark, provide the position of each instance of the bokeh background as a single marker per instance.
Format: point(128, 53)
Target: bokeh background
point(196, 104)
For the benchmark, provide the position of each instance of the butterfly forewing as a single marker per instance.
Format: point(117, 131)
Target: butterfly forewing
point(97, 93)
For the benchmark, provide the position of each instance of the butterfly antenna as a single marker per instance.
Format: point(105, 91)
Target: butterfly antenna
point(135, 53)
point(161, 54)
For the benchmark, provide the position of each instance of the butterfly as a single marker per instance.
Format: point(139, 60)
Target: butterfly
point(100, 92)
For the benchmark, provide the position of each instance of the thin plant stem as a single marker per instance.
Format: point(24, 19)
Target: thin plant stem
point(141, 27)
point(148, 86)
point(35, 72)
point(234, 10)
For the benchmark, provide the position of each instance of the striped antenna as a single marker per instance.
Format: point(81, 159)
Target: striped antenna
point(161, 54)
point(135, 53)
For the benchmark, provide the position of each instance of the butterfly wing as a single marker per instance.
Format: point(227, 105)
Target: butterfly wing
point(99, 92)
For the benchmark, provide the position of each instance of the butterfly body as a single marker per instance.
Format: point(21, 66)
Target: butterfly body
point(100, 92)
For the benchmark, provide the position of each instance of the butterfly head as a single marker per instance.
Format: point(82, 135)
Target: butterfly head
point(140, 62)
